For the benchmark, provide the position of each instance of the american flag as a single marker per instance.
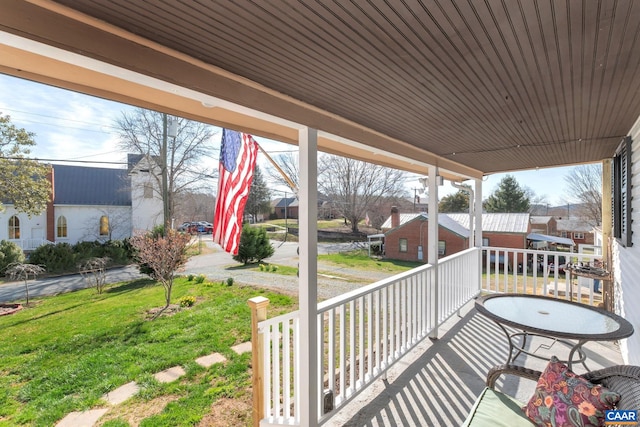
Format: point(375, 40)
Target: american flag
point(238, 153)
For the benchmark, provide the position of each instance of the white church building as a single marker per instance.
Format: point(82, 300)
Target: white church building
point(88, 204)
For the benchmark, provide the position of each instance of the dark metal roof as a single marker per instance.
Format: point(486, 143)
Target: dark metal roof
point(77, 185)
point(288, 202)
point(492, 85)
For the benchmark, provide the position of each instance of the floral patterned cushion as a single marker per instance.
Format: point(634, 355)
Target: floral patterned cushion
point(564, 399)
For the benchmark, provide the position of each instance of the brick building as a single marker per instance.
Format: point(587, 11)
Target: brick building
point(405, 233)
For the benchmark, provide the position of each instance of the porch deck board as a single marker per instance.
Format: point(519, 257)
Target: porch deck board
point(437, 383)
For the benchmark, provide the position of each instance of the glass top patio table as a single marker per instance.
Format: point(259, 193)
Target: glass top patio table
point(551, 317)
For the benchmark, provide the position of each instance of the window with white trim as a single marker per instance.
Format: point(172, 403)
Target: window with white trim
point(14, 227)
point(442, 247)
point(61, 227)
point(403, 245)
point(578, 236)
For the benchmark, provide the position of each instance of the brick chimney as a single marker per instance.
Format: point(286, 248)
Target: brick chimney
point(395, 217)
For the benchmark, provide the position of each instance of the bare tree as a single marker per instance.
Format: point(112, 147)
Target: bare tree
point(20, 271)
point(585, 187)
point(163, 256)
point(288, 163)
point(538, 205)
point(355, 186)
point(142, 132)
point(194, 206)
point(94, 272)
point(380, 211)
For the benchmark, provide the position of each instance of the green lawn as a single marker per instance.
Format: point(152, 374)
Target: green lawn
point(360, 260)
point(63, 353)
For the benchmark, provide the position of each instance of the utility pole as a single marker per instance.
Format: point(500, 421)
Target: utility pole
point(167, 130)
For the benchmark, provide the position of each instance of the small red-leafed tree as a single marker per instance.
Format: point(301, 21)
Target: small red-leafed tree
point(162, 256)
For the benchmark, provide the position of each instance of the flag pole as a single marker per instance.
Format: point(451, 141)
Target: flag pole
point(279, 169)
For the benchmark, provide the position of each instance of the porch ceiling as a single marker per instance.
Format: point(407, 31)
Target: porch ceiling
point(472, 87)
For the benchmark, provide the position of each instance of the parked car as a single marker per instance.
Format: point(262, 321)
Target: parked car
point(562, 264)
point(195, 227)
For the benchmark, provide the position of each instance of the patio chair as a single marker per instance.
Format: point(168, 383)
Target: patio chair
point(494, 408)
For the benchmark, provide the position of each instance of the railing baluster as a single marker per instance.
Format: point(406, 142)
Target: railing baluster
point(343, 351)
point(275, 338)
point(371, 322)
point(332, 351)
point(378, 319)
point(361, 351)
point(286, 386)
point(352, 347)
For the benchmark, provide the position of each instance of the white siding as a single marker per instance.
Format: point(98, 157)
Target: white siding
point(626, 261)
point(145, 212)
point(83, 222)
point(30, 228)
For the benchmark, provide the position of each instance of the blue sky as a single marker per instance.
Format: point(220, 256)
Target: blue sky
point(73, 126)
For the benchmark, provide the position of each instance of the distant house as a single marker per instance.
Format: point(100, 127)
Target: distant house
point(544, 225)
point(89, 204)
point(577, 229)
point(286, 207)
point(406, 236)
point(405, 232)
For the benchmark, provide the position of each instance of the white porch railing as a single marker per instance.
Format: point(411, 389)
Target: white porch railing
point(536, 272)
point(362, 333)
point(30, 244)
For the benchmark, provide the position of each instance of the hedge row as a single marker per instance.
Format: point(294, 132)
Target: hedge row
point(65, 258)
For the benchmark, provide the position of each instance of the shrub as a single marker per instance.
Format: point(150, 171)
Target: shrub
point(200, 278)
point(274, 268)
point(254, 245)
point(262, 267)
point(87, 250)
point(118, 250)
point(230, 281)
point(10, 253)
point(58, 258)
point(376, 248)
point(190, 277)
point(187, 301)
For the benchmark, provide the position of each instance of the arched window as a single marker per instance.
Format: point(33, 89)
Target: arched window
point(62, 226)
point(104, 225)
point(14, 227)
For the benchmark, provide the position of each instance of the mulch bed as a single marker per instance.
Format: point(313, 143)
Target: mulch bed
point(6, 309)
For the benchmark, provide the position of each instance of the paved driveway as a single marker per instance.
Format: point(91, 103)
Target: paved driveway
point(218, 265)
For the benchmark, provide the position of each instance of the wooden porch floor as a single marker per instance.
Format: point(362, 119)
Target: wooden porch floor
point(437, 383)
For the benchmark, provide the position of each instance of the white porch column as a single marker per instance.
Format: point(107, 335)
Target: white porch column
point(478, 213)
point(478, 227)
point(307, 284)
point(432, 246)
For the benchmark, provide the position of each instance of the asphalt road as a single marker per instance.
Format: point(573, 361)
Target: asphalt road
point(217, 265)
